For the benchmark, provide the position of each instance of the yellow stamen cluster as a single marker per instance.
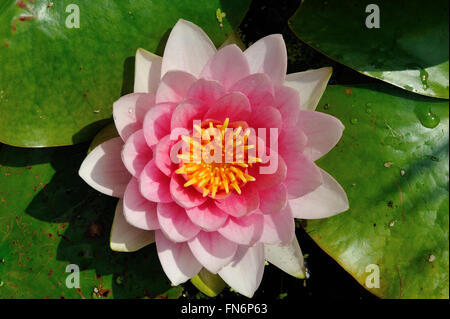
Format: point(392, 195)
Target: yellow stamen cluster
point(230, 172)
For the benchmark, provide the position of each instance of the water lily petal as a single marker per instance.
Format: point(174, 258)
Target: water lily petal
point(208, 216)
point(322, 130)
point(288, 258)
point(287, 100)
point(310, 85)
point(154, 185)
point(279, 228)
point(188, 48)
point(174, 222)
point(186, 112)
point(234, 106)
point(147, 71)
point(162, 155)
point(173, 86)
point(240, 205)
point(176, 259)
point(206, 91)
point(245, 272)
point(303, 176)
point(125, 237)
point(138, 211)
point(129, 112)
point(267, 117)
point(227, 66)
point(245, 230)
point(268, 55)
point(292, 142)
point(157, 122)
point(266, 178)
point(212, 250)
point(186, 197)
point(136, 153)
point(327, 200)
point(273, 200)
point(258, 88)
point(103, 169)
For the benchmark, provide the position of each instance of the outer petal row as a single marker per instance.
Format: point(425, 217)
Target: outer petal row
point(125, 237)
point(103, 169)
point(327, 200)
point(188, 49)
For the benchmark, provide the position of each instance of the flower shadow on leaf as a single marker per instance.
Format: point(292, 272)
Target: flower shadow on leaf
point(83, 218)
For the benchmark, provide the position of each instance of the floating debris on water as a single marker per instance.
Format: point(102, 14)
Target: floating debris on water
point(220, 16)
point(354, 120)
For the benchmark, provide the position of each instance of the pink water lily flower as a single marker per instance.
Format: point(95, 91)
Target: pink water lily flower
point(227, 217)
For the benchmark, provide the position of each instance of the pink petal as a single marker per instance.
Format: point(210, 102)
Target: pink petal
point(227, 66)
point(206, 91)
point(323, 132)
point(245, 272)
point(279, 228)
point(176, 259)
point(138, 211)
point(265, 177)
point(258, 88)
point(154, 185)
point(303, 176)
point(173, 86)
point(240, 205)
point(287, 100)
point(129, 112)
point(234, 106)
point(245, 230)
point(175, 223)
point(103, 169)
point(212, 250)
point(291, 142)
point(188, 49)
point(162, 155)
point(136, 153)
point(186, 197)
point(147, 72)
point(268, 55)
point(266, 117)
point(327, 200)
point(208, 216)
point(157, 123)
point(273, 200)
point(186, 112)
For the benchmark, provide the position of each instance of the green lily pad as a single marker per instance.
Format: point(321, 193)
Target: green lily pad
point(50, 218)
point(393, 162)
point(57, 84)
point(409, 49)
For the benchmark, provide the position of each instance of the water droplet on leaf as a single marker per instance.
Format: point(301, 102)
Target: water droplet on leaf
point(429, 119)
point(424, 78)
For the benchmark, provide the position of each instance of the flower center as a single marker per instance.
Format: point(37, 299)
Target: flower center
point(216, 158)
